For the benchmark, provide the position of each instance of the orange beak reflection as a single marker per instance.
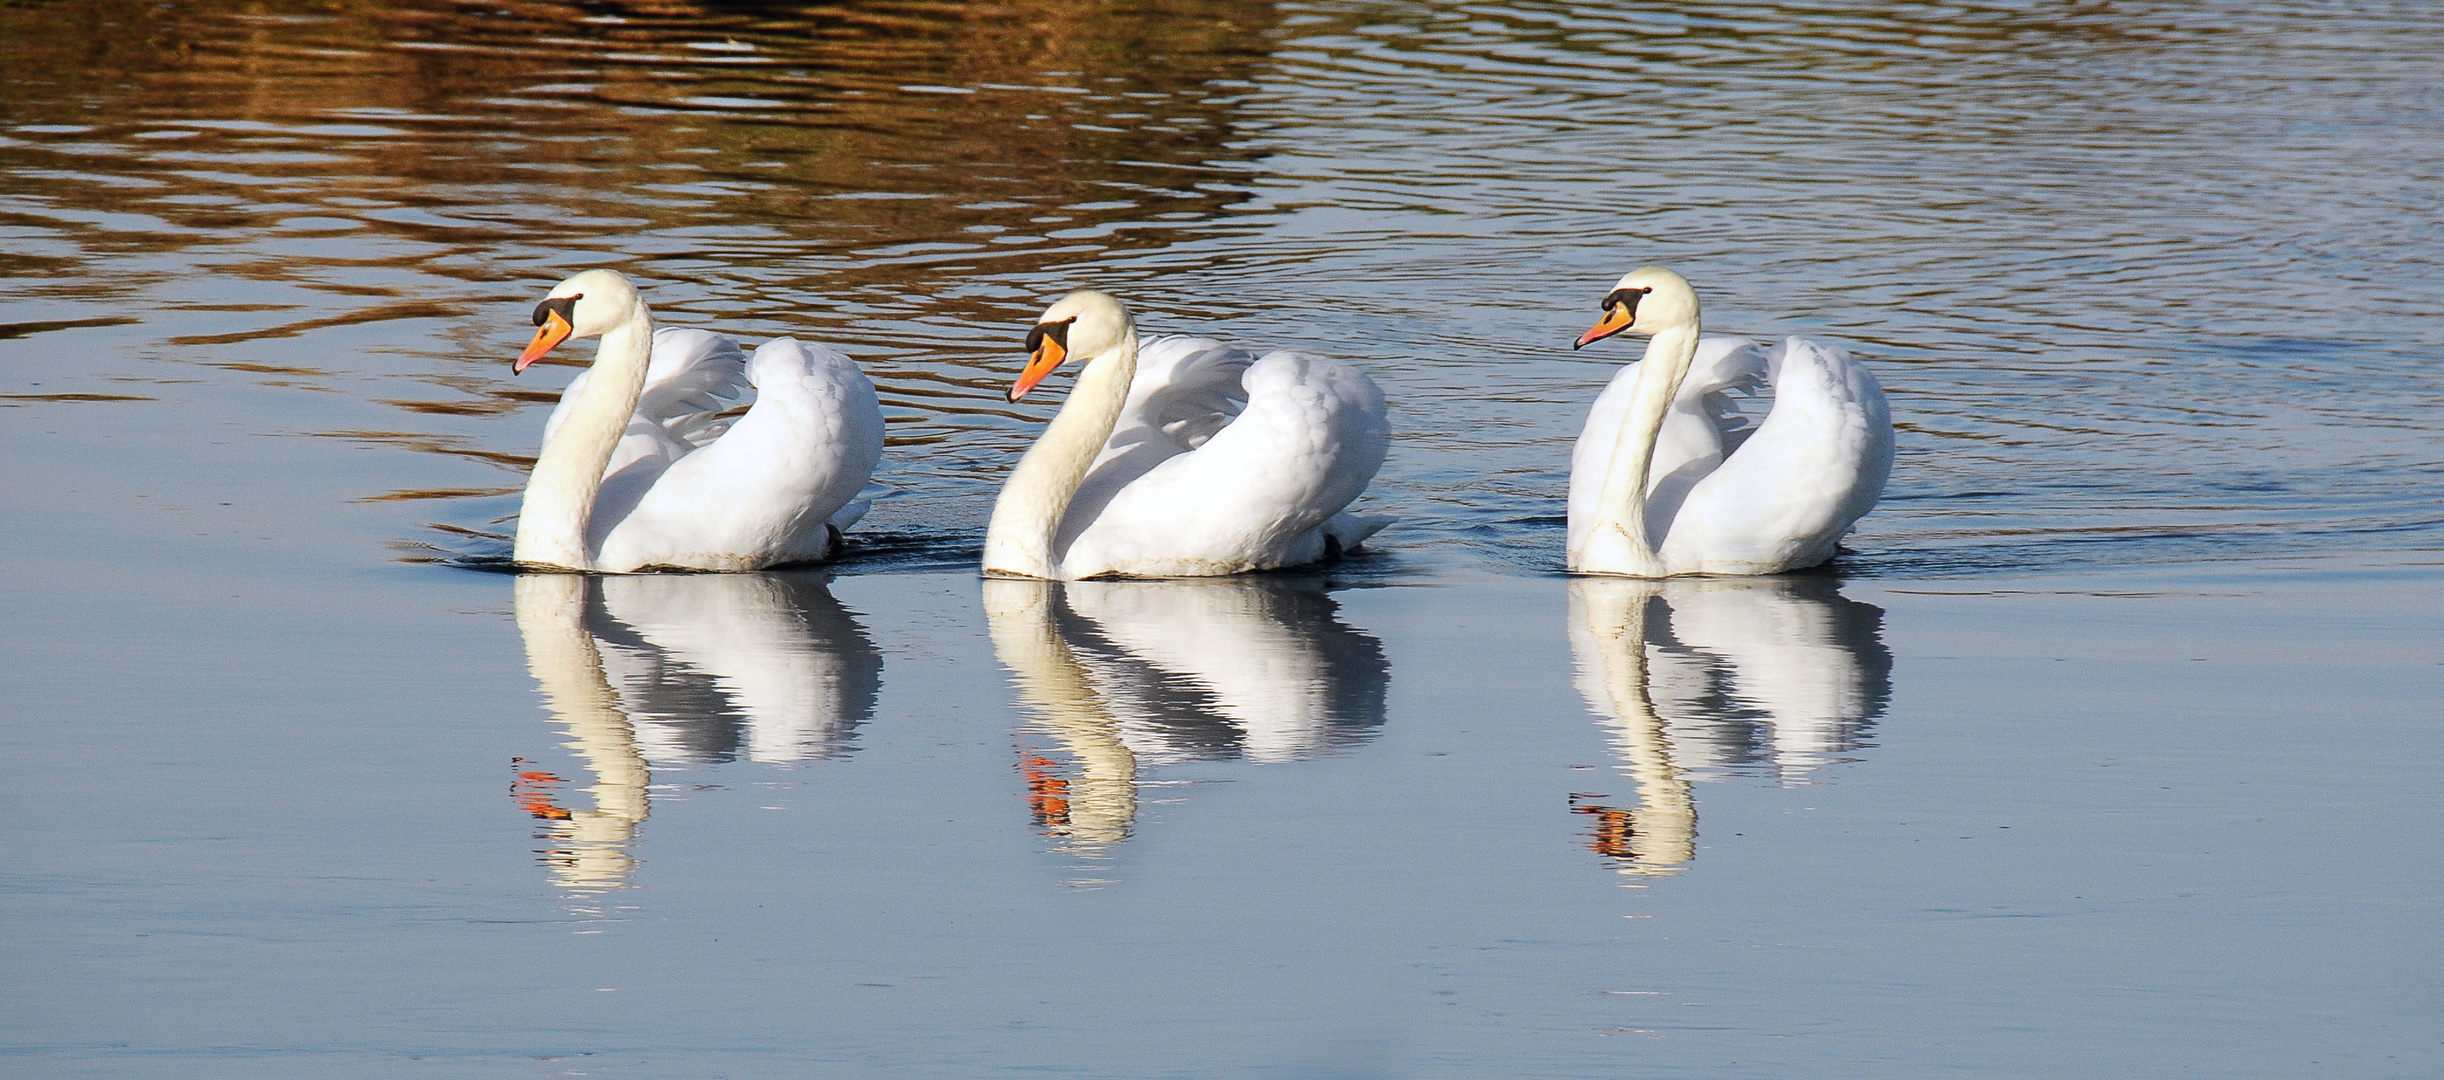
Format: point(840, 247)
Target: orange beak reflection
point(1616, 319)
point(1048, 354)
point(547, 337)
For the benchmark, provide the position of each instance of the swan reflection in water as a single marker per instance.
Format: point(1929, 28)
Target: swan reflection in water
point(1718, 675)
point(1127, 674)
point(679, 668)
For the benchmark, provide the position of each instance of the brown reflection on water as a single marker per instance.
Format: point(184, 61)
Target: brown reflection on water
point(2033, 218)
point(880, 128)
point(393, 183)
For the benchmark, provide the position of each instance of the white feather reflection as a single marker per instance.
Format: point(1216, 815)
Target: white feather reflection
point(712, 667)
point(1718, 675)
point(1127, 674)
point(666, 669)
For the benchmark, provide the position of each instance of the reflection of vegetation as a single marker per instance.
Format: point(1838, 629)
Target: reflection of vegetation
point(1008, 109)
point(376, 174)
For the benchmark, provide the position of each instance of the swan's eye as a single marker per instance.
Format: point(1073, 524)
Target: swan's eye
point(565, 307)
point(1619, 297)
point(1057, 331)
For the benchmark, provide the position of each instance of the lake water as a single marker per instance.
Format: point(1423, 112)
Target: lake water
point(2109, 749)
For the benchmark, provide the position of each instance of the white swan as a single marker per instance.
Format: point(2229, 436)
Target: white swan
point(640, 468)
point(1667, 479)
point(1194, 459)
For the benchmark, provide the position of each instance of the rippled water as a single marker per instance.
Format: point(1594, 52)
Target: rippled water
point(2105, 752)
point(2147, 283)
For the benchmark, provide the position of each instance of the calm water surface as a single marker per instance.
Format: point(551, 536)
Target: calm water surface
point(2107, 750)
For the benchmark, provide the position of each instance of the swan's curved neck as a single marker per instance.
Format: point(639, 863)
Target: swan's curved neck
point(1028, 516)
point(1618, 543)
point(560, 493)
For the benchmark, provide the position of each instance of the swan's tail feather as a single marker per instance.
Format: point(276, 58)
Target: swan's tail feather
point(1348, 530)
point(847, 516)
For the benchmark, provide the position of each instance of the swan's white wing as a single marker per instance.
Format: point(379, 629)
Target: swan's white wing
point(761, 493)
point(1705, 423)
point(694, 376)
point(1812, 469)
point(1185, 389)
point(1724, 371)
point(1257, 492)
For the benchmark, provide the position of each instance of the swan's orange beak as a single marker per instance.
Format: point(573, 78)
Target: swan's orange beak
point(1048, 354)
point(1616, 319)
point(547, 337)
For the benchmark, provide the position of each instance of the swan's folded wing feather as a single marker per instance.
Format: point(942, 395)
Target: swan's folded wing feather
point(760, 495)
point(694, 377)
point(1186, 388)
point(1814, 466)
point(1725, 370)
point(1311, 437)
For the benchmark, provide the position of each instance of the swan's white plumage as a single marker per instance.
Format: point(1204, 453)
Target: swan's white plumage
point(1183, 489)
point(694, 377)
point(1813, 468)
point(689, 484)
point(763, 492)
point(1723, 497)
point(1219, 462)
point(1705, 424)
